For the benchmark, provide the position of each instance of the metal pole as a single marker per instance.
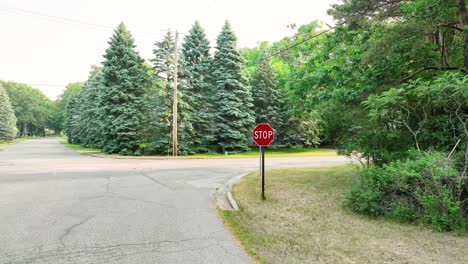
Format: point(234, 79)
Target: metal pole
point(174, 106)
point(263, 172)
point(260, 156)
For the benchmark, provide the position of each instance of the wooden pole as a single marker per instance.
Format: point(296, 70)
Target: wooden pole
point(174, 106)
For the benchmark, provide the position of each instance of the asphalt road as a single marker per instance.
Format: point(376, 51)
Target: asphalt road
point(59, 207)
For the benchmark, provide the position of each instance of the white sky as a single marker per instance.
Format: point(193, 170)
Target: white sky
point(54, 42)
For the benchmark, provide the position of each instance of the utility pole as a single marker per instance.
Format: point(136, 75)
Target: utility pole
point(174, 106)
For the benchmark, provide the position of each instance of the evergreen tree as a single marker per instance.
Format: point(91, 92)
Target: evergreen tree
point(162, 103)
point(72, 119)
point(195, 69)
point(89, 95)
point(121, 99)
point(160, 95)
point(267, 100)
point(163, 61)
point(7, 117)
point(159, 105)
point(233, 99)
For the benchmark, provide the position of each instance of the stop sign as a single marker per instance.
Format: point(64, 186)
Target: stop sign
point(263, 134)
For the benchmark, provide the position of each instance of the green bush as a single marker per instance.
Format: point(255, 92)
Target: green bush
point(426, 188)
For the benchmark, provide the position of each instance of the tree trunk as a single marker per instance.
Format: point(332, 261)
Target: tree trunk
point(463, 16)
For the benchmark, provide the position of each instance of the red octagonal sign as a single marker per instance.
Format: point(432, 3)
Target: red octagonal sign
point(263, 134)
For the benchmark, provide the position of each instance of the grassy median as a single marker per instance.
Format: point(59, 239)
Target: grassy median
point(304, 221)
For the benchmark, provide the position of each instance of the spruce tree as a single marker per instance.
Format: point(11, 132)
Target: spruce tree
point(163, 60)
point(121, 99)
point(89, 95)
point(7, 117)
point(160, 96)
point(72, 119)
point(161, 107)
point(232, 96)
point(266, 97)
point(195, 69)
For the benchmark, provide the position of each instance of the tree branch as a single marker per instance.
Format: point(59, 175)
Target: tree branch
point(450, 25)
point(427, 68)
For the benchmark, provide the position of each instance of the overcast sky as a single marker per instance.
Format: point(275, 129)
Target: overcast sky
point(54, 42)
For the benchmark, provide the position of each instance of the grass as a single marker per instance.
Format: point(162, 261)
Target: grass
point(271, 153)
point(82, 150)
point(4, 144)
point(303, 220)
point(248, 154)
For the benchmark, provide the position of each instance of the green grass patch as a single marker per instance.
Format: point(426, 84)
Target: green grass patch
point(300, 152)
point(82, 150)
point(240, 232)
point(304, 220)
point(4, 144)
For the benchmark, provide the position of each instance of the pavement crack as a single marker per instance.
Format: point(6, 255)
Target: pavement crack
point(68, 230)
point(110, 253)
point(156, 181)
point(118, 196)
point(108, 185)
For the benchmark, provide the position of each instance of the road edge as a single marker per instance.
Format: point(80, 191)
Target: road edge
point(224, 198)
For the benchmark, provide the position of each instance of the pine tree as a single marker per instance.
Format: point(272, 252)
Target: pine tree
point(195, 69)
point(266, 97)
point(89, 95)
point(121, 99)
point(8, 128)
point(233, 98)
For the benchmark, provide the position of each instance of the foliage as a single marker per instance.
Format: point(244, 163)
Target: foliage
point(58, 116)
point(32, 108)
point(233, 98)
point(124, 79)
point(196, 89)
point(266, 97)
point(421, 114)
point(72, 119)
point(8, 128)
point(426, 188)
point(163, 60)
point(417, 22)
point(353, 86)
point(90, 130)
point(159, 114)
point(159, 97)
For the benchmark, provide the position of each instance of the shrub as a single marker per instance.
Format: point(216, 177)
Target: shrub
point(426, 188)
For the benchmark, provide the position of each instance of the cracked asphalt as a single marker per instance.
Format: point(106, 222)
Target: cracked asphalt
point(59, 207)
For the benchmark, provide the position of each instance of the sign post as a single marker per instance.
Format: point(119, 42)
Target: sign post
point(263, 134)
